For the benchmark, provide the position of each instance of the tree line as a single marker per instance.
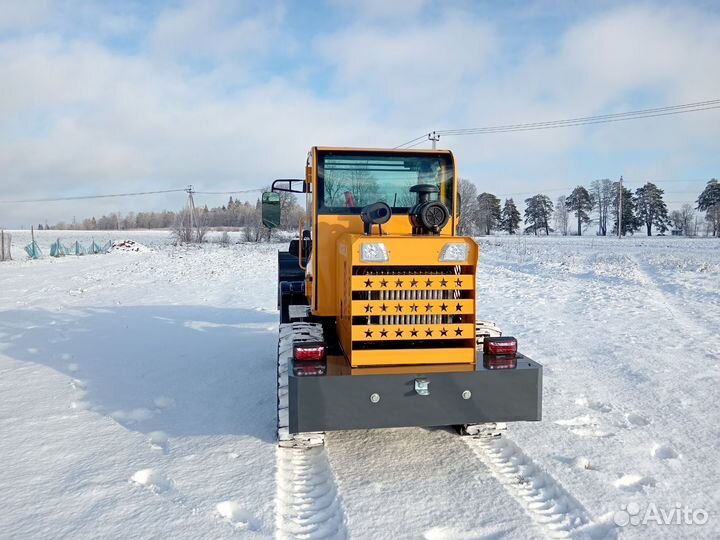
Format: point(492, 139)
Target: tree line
point(234, 214)
point(644, 210)
point(483, 213)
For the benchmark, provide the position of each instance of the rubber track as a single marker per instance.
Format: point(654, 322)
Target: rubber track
point(307, 503)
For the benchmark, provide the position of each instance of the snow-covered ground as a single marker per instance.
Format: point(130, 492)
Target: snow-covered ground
point(138, 401)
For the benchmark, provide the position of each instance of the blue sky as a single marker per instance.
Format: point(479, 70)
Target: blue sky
point(104, 97)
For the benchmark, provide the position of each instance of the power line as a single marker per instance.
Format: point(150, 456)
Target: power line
point(85, 197)
point(585, 120)
point(134, 194)
point(237, 192)
point(421, 138)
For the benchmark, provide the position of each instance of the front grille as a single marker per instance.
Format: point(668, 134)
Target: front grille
point(434, 302)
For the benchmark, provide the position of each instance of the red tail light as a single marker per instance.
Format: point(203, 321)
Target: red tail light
point(500, 353)
point(309, 352)
point(500, 361)
point(500, 345)
point(309, 359)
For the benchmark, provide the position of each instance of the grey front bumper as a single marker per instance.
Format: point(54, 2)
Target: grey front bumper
point(336, 402)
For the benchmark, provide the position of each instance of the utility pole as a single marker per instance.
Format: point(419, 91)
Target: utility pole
point(191, 208)
point(434, 137)
point(620, 199)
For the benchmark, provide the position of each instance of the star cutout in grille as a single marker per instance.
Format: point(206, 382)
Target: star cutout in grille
point(413, 283)
point(458, 282)
point(428, 333)
point(398, 283)
point(368, 283)
point(383, 283)
point(383, 308)
point(413, 308)
point(443, 332)
point(443, 307)
point(458, 307)
point(368, 308)
point(443, 282)
point(428, 283)
point(398, 333)
point(383, 333)
point(428, 307)
point(458, 331)
point(368, 334)
point(413, 333)
point(398, 308)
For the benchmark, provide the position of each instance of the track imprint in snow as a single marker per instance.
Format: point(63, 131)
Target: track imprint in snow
point(664, 451)
point(134, 415)
point(307, 499)
point(586, 426)
point(634, 482)
point(152, 480)
point(158, 440)
point(79, 386)
point(599, 406)
point(237, 516)
point(636, 420)
point(557, 512)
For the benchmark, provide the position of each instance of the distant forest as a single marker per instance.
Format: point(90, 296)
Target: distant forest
point(234, 214)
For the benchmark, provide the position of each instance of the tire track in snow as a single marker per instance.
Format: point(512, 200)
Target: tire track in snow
point(307, 499)
point(547, 503)
point(654, 288)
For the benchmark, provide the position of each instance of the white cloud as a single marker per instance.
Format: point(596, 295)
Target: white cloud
point(382, 10)
point(79, 116)
point(17, 16)
point(417, 67)
point(221, 31)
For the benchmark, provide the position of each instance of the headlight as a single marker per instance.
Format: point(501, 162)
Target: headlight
point(454, 252)
point(373, 252)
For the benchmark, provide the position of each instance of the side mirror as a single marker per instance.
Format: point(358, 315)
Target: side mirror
point(271, 209)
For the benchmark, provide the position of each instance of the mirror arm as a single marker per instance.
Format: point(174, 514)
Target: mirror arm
point(300, 246)
point(277, 185)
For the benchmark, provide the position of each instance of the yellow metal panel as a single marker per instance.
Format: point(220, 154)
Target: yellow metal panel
point(413, 250)
point(413, 307)
point(398, 332)
point(328, 228)
point(413, 356)
point(417, 368)
point(412, 283)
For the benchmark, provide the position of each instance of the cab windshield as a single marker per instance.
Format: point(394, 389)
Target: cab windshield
point(348, 181)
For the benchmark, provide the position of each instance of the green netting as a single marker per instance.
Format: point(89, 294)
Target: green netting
point(58, 250)
point(97, 248)
point(33, 250)
point(78, 249)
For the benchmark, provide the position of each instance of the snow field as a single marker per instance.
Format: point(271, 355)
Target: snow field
point(138, 401)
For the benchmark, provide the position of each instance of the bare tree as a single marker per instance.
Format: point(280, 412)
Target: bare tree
point(684, 219)
point(190, 231)
point(602, 195)
point(467, 224)
point(562, 215)
point(183, 230)
point(225, 239)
